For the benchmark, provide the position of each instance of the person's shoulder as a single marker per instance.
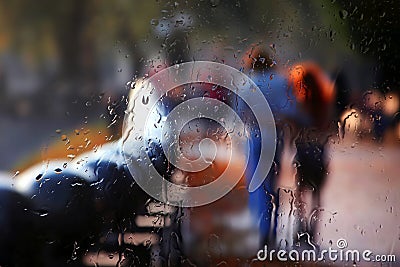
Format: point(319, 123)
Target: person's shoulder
point(103, 158)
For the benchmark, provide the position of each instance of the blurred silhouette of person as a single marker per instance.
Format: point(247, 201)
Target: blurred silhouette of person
point(302, 100)
point(315, 93)
point(381, 109)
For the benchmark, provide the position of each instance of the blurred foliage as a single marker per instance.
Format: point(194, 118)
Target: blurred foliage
point(76, 38)
point(70, 29)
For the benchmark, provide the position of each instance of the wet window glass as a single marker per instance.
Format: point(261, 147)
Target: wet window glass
point(199, 133)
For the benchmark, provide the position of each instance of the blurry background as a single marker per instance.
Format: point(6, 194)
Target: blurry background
point(66, 68)
point(63, 63)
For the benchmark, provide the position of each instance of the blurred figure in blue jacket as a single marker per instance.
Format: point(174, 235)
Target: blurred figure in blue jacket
point(302, 101)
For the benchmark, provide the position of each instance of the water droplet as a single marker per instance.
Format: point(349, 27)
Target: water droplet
point(76, 184)
point(58, 170)
point(145, 100)
point(214, 3)
point(41, 212)
point(343, 14)
point(154, 22)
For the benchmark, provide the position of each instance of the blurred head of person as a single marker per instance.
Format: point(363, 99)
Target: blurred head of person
point(314, 90)
point(258, 58)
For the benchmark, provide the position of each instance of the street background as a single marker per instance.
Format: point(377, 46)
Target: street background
point(64, 68)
